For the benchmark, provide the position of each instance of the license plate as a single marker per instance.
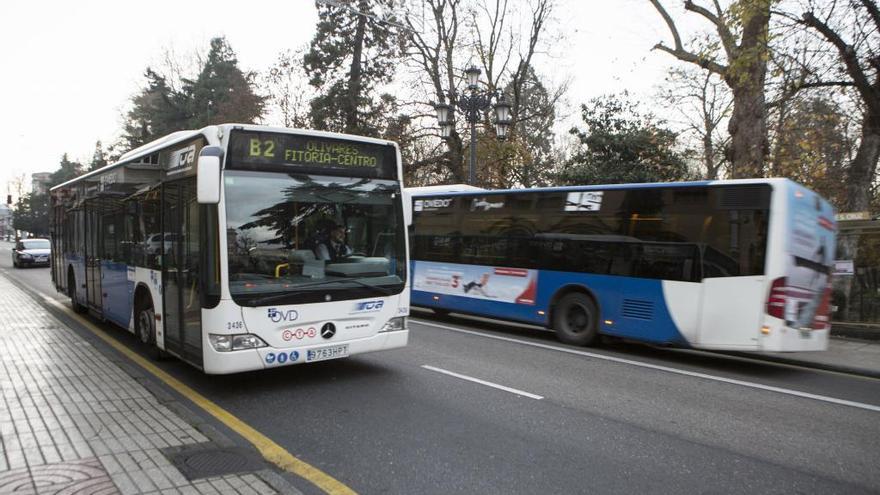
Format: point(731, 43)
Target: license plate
point(324, 353)
point(42, 258)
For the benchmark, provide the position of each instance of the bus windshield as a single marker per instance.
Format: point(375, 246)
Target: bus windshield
point(296, 238)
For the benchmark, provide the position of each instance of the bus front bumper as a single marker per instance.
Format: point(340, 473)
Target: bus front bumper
point(222, 363)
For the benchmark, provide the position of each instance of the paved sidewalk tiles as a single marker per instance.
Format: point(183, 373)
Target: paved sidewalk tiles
point(73, 422)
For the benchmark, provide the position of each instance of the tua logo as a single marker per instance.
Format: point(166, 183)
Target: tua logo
point(368, 306)
point(279, 316)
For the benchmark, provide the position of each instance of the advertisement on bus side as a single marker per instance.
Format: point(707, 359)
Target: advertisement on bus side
point(812, 241)
point(510, 285)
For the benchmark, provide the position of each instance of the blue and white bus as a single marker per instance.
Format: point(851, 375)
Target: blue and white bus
point(732, 265)
point(241, 247)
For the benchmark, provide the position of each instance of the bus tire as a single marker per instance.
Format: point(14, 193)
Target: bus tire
point(576, 319)
point(145, 328)
point(71, 292)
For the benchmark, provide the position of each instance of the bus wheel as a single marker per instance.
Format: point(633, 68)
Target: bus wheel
point(575, 319)
point(145, 326)
point(71, 292)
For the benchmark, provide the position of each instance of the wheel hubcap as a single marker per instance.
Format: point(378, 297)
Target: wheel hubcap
point(144, 327)
point(578, 319)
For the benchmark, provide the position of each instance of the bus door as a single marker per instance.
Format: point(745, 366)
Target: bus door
point(92, 257)
point(182, 305)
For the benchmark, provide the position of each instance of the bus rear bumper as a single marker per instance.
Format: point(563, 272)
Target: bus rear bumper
point(787, 339)
point(223, 363)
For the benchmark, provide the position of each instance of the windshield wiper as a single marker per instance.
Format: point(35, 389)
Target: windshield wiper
point(277, 297)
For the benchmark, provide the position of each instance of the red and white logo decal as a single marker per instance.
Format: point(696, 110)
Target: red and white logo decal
point(299, 333)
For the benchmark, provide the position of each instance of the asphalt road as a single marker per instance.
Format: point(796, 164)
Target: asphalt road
point(620, 418)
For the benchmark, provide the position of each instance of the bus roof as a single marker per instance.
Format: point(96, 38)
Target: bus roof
point(439, 190)
point(219, 130)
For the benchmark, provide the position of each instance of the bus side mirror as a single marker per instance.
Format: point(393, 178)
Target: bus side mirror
point(407, 208)
point(208, 176)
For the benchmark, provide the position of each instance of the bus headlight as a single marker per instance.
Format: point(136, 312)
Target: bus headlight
point(394, 324)
point(237, 342)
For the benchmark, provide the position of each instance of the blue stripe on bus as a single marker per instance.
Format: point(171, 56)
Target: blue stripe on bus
point(636, 307)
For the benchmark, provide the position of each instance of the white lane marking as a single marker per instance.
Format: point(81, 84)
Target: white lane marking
point(786, 391)
point(483, 382)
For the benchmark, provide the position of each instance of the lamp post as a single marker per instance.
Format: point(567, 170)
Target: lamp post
point(472, 103)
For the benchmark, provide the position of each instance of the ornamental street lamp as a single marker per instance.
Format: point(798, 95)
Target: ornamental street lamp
point(472, 103)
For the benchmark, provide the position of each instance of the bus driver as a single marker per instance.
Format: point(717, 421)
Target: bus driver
point(334, 249)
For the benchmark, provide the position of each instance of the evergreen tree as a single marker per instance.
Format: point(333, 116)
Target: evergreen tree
point(99, 157)
point(32, 214)
point(67, 170)
point(32, 210)
point(622, 145)
point(533, 128)
point(222, 92)
point(354, 51)
point(156, 111)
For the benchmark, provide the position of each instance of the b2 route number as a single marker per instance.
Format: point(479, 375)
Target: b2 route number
point(264, 149)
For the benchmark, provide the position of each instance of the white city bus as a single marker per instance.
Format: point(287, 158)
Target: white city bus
point(241, 247)
point(739, 265)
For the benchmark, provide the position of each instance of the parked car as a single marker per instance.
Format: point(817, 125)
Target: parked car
point(31, 252)
point(158, 243)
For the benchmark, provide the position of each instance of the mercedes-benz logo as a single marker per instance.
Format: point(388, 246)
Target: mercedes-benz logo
point(328, 330)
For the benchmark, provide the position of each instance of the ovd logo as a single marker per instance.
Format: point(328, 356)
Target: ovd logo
point(279, 316)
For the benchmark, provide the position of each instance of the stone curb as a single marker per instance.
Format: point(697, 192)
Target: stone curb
point(850, 370)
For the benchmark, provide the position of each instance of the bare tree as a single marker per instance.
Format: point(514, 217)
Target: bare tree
point(506, 54)
point(435, 37)
point(703, 102)
point(853, 31)
point(742, 32)
point(443, 33)
point(287, 87)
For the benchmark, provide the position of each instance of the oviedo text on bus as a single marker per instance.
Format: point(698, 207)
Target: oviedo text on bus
point(731, 265)
point(241, 247)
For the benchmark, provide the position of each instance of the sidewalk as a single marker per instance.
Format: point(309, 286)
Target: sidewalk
point(73, 422)
point(860, 357)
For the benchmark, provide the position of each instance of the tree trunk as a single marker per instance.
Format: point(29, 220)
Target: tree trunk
point(746, 75)
point(861, 171)
point(354, 79)
point(748, 133)
point(859, 178)
point(455, 158)
point(709, 156)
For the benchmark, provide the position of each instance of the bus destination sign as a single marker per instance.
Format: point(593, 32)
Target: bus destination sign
point(310, 154)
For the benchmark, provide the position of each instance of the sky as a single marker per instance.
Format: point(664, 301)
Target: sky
point(70, 67)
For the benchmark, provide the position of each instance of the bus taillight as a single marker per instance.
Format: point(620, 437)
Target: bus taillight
point(822, 319)
point(776, 299)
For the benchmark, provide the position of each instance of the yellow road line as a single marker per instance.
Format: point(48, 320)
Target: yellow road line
point(270, 450)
